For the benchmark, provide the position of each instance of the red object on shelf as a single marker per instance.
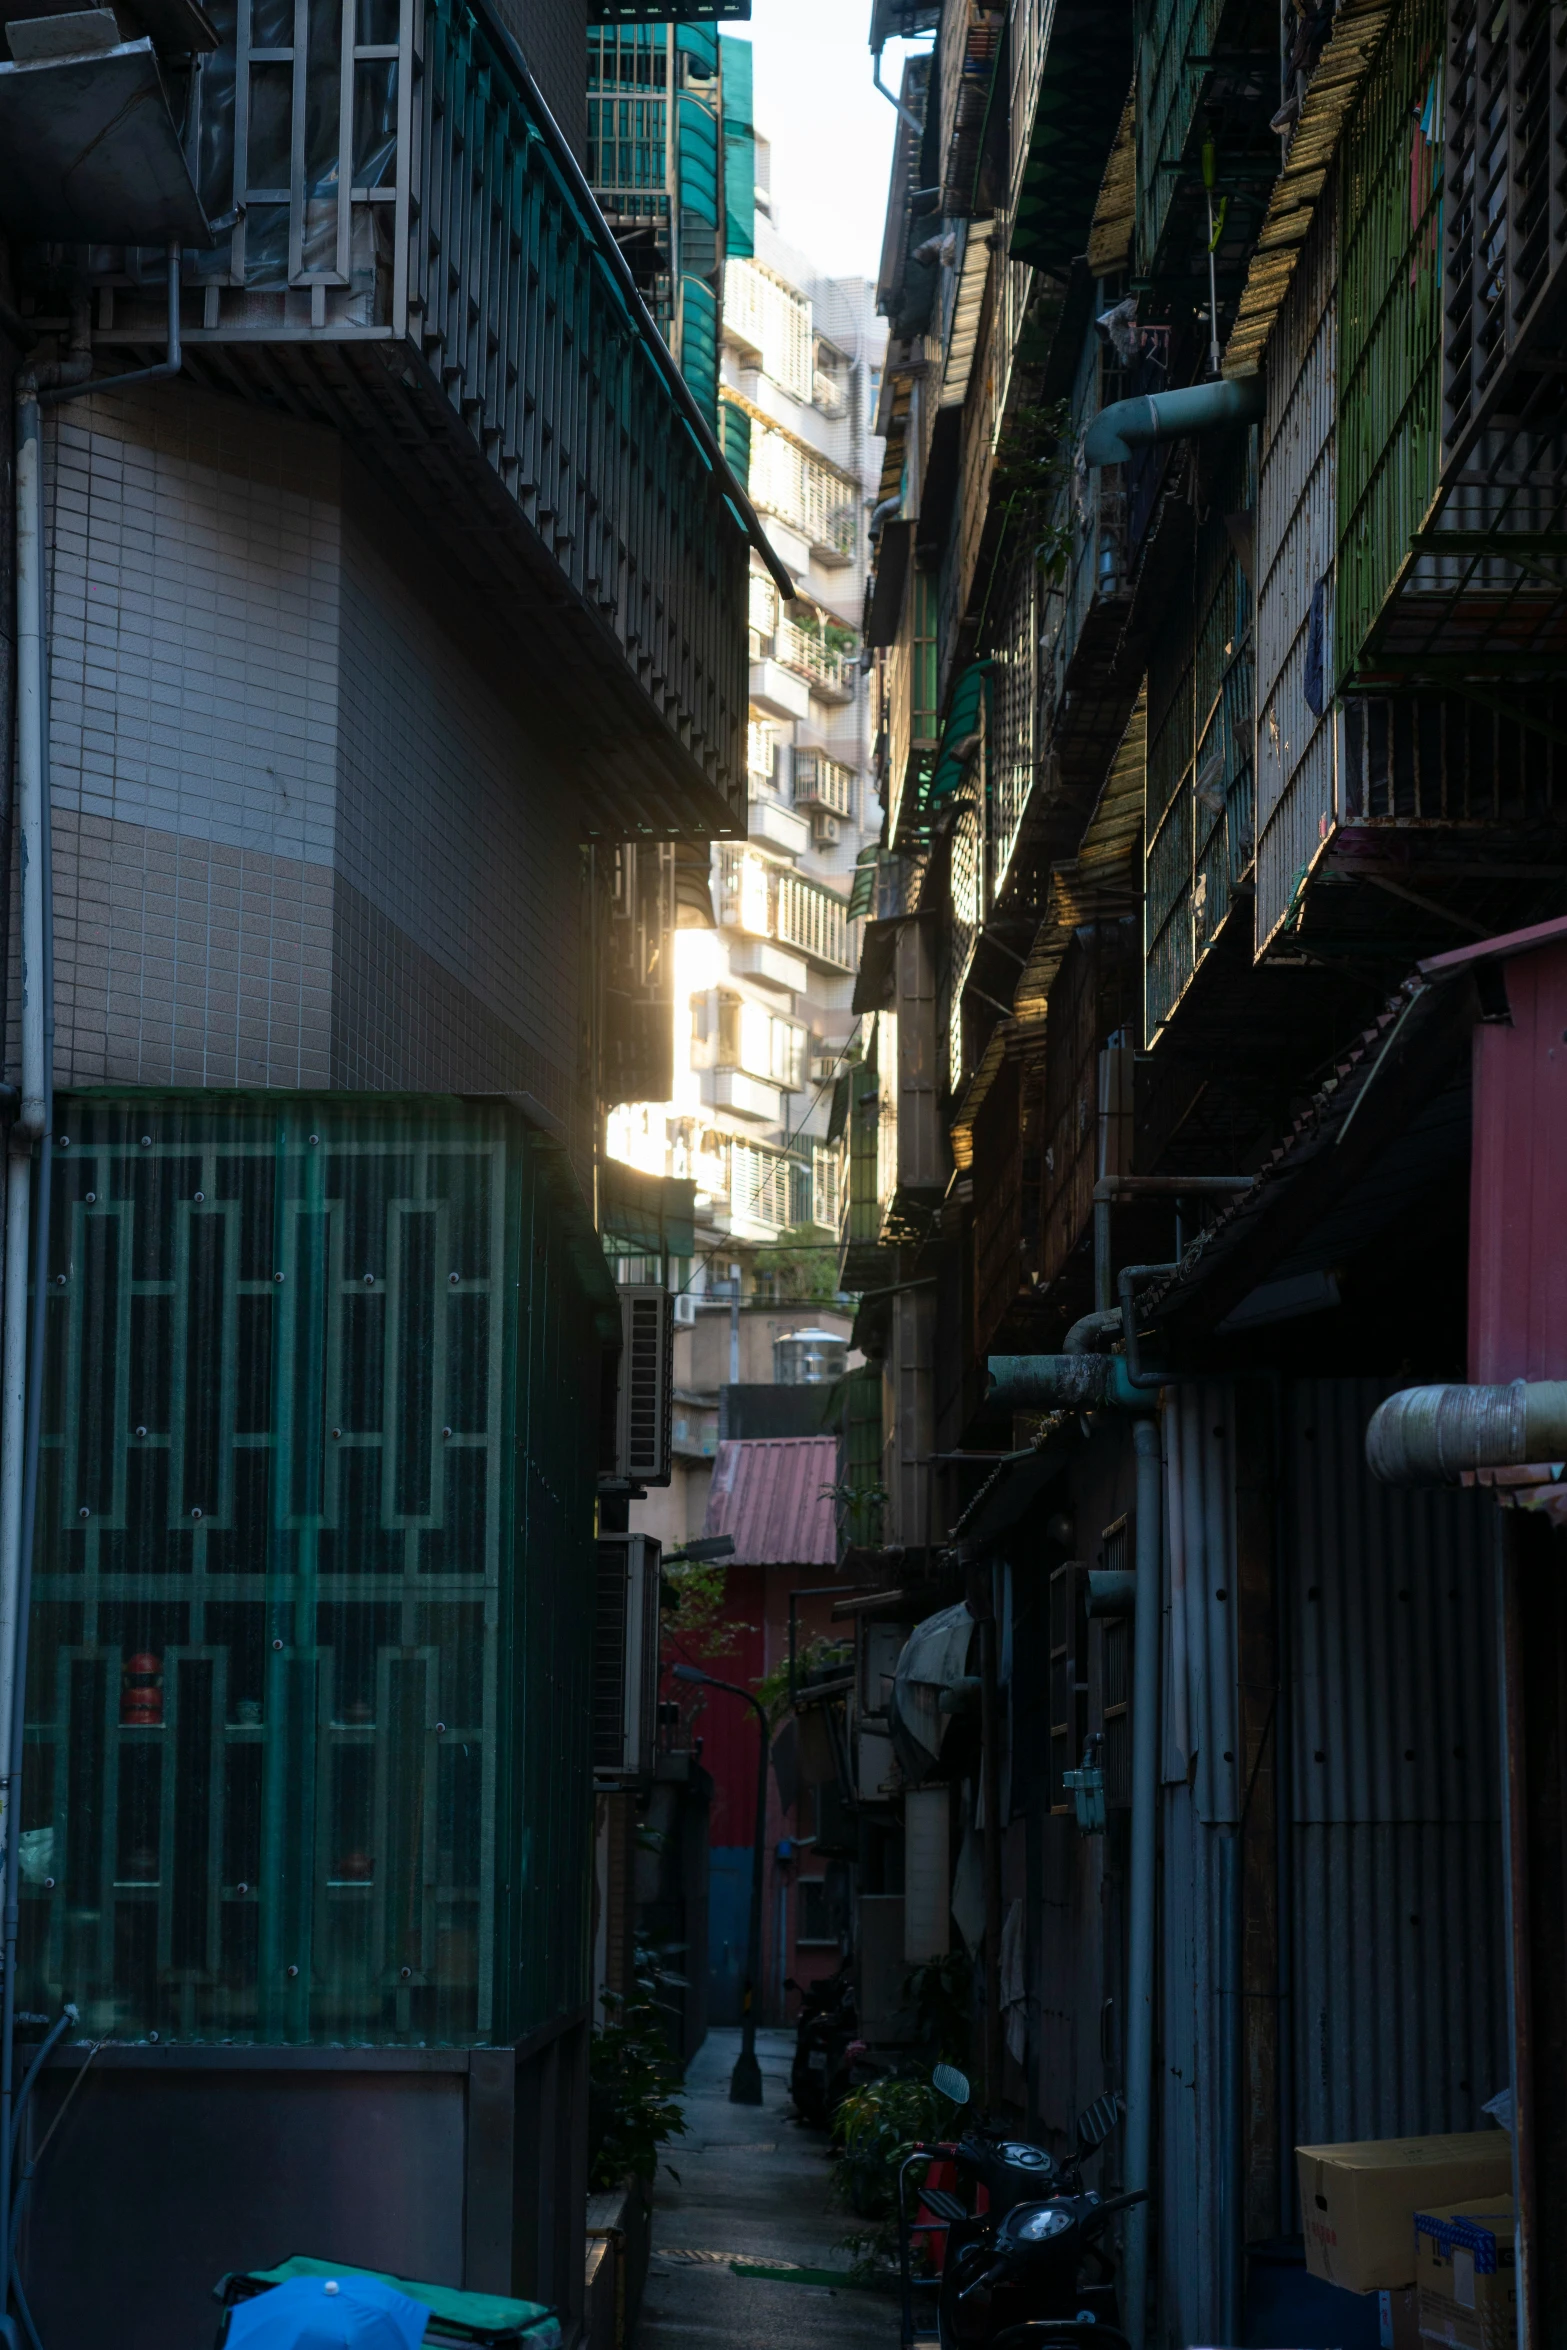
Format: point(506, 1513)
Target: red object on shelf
point(141, 1692)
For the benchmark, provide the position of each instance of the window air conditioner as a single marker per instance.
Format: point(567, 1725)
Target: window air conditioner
point(642, 1384)
point(625, 1656)
point(685, 1308)
point(826, 831)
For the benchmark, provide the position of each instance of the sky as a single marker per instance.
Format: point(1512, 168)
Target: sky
point(831, 130)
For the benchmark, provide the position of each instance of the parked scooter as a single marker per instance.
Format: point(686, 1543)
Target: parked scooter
point(1014, 2236)
point(825, 2042)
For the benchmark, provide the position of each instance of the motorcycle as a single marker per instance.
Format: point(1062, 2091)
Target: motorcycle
point(1013, 2236)
point(826, 2041)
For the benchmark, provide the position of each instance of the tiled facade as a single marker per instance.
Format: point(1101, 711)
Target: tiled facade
point(301, 838)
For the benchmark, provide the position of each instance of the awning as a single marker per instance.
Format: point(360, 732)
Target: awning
point(873, 980)
point(957, 736)
point(934, 1657)
point(1082, 90)
point(648, 1215)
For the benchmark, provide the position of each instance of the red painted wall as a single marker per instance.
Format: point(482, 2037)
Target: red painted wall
point(757, 1598)
point(1518, 1198)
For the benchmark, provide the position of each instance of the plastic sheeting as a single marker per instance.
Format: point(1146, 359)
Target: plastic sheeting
point(934, 1656)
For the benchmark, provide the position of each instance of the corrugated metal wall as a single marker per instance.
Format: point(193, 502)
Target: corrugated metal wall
point(1296, 522)
point(1395, 1995)
point(1201, 1801)
point(1398, 2009)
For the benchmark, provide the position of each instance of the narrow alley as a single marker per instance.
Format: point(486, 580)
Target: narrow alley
point(745, 2237)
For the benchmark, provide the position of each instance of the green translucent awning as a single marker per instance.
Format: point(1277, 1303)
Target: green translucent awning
point(1082, 90)
point(963, 720)
point(862, 896)
point(646, 1215)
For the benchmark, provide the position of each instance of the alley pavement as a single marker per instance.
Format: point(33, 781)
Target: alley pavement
point(753, 2187)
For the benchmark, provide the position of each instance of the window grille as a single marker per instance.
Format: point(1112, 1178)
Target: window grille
point(766, 312)
point(814, 920)
point(823, 506)
point(301, 1392)
point(821, 782)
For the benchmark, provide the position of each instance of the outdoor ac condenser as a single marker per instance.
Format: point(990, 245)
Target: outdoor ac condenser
point(644, 1380)
point(625, 1656)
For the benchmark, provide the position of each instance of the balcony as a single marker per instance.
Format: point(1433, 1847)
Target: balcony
point(820, 782)
point(830, 674)
point(768, 901)
point(416, 260)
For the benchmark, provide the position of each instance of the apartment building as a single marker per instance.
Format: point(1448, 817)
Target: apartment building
point(758, 985)
point(377, 576)
point(1211, 991)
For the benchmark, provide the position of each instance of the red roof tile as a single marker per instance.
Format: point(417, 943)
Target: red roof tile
point(772, 1495)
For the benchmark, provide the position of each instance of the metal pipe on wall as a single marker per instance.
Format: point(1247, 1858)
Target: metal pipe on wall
point(1142, 1886)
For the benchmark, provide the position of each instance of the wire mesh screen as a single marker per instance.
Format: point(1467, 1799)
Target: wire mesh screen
point(307, 1474)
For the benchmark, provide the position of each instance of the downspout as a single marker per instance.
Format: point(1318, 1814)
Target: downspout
point(1082, 1382)
point(911, 120)
point(1126, 426)
point(1143, 1887)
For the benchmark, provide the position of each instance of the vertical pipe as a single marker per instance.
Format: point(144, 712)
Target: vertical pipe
point(1284, 1816)
point(1142, 1887)
point(1231, 2069)
point(990, 1848)
point(1520, 2002)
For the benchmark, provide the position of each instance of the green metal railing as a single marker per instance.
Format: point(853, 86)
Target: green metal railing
point(1201, 783)
point(1174, 38)
point(313, 1593)
point(1390, 321)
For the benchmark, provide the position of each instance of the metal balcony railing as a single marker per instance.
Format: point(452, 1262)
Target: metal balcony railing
point(416, 258)
point(831, 674)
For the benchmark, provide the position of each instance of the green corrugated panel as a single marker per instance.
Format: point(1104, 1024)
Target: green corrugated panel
point(861, 1510)
point(1390, 321)
point(701, 46)
point(312, 1624)
point(739, 149)
point(1082, 89)
point(1199, 781)
point(1170, 35)
point(736, 430)
point(699, 343)
point(697, 132)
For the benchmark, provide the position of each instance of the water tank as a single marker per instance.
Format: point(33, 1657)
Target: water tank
point(809, 1358)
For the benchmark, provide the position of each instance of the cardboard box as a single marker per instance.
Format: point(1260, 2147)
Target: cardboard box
point(1358, 2202)
point(1466, 2271)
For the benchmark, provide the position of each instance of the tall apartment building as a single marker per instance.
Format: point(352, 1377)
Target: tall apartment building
point(755, 997)
point(377, 576)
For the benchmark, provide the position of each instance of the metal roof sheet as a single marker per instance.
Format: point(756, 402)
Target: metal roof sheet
point(772, 1495)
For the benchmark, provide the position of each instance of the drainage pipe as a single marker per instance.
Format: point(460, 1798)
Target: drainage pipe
point(1142, 1888)
point(1119, 431)
point(912, 120)
point(1433, 1435)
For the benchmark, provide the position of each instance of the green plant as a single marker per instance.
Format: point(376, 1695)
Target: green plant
point(693, 1604)
point(874, 2130)
point(820, 1655)
point(633, 2080)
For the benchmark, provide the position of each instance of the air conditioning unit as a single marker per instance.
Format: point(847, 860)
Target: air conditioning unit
point(826, 831)
point(685, 1308)
point(625, 1656)
point(643, 1382)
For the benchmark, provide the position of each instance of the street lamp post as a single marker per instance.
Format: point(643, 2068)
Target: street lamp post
point(745, 2082)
